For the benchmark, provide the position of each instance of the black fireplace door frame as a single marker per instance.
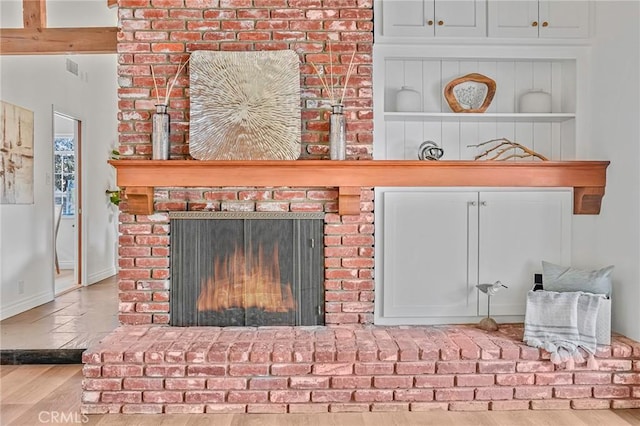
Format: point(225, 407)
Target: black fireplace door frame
point(193, 243)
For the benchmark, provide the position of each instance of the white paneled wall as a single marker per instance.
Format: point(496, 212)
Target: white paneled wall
point(553, 136)
point(403, 138)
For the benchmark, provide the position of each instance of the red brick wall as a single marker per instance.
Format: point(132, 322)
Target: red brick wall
point(162, 33)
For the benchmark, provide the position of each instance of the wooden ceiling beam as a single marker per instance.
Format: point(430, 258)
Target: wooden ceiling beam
point(54, 41)
point(34, 13)
point(36, 39)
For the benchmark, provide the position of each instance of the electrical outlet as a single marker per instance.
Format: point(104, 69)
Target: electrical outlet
point(21, 287)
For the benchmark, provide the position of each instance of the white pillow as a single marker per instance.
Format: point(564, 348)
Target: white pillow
point(564, 278)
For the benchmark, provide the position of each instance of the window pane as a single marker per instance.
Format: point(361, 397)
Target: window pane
point(68, 208)
point(58, 183)
point(64, 144)
point(64, 169)
point(67, 164)
point(57, 161)
point(70, 201)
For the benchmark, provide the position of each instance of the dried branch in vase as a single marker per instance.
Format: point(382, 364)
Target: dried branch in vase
point(336, 97)
point(505, 150)
point(168, 87)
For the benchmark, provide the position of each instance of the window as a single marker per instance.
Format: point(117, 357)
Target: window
point(64, 174)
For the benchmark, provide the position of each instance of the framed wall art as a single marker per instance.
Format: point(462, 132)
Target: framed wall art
point(16, 154)
point(245, 105)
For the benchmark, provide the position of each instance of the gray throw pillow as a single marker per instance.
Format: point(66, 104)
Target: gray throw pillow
point(564, 278)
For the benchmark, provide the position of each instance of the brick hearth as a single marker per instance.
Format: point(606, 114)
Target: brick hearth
point(158, 369)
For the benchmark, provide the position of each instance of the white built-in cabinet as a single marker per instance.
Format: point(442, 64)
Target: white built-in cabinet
point(429, 18)
point(544, 18)
point(427, 70)
point(434, 245)
point(424, 20)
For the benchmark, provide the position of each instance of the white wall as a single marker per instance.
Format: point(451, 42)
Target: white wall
point(39, 83)
point(613, 237)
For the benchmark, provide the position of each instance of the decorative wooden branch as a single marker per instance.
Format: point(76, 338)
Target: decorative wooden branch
point(505, 150)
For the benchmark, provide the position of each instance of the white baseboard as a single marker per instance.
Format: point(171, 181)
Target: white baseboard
point(67, 264)
point(101, 275)
point(70, 286)
point(20, 306)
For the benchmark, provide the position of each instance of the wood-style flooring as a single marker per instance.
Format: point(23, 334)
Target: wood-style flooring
point(74, 320)
point(41, 394)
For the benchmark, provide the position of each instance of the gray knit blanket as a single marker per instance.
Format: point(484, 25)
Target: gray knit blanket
point(562, 323)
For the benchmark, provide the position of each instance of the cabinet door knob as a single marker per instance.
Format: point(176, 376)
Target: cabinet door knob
point(534, 24)
point(473, 203)
point(430, 22)
point(440, 22)
point(483, 203)
point(545, 24)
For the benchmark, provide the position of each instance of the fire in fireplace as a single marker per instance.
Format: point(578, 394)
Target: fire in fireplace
point(244, 283)
point(242, 269)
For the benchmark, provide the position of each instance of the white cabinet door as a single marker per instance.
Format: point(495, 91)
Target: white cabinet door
point(517, 231)
point(463, 18)
point(436, 246)
point(544, 18)
point(428, 243)
point(410, 18)
point(428, 18)
point(564, 19)
point(510, 18)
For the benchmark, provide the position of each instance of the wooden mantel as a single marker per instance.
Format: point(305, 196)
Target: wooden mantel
point(139, 177)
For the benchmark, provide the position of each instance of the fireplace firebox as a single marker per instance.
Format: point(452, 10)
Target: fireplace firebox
point(246, 269)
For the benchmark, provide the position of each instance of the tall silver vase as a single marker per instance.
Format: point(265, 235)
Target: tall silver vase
point(160, 133)
point(337, 134)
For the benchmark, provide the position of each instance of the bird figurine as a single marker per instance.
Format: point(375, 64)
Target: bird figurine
point(491, 289)
point(488, 323)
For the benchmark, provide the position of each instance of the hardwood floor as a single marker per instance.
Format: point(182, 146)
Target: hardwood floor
point(41, 394)
point(74, 320)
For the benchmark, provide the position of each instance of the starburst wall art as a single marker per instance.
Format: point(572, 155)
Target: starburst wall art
point(244, 105)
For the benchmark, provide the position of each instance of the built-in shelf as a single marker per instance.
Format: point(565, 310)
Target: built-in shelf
point(138, 178)
point(480, 117)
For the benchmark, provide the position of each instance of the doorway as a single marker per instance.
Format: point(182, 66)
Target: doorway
point(67, 199)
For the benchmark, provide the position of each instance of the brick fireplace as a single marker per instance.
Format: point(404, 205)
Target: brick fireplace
point(162, 34)
point(146, 366)
point(144, 282)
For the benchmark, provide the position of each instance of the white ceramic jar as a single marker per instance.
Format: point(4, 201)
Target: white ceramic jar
point(408, 100)
point(535, 101)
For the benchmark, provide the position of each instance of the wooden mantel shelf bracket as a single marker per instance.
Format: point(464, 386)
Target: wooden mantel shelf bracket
point(138, 178)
